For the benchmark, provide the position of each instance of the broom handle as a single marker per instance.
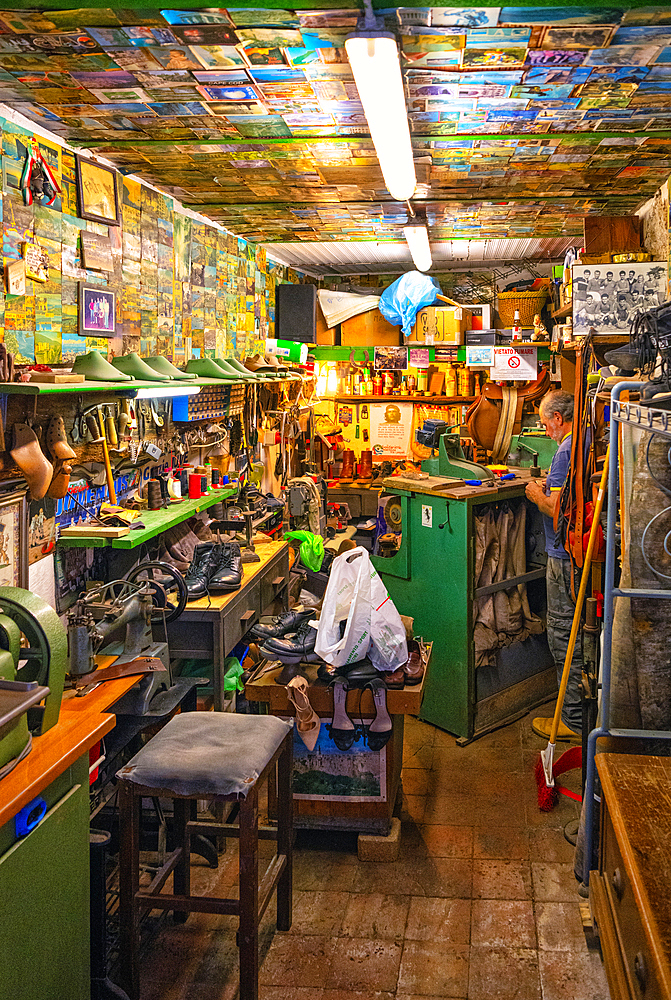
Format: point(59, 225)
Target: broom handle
point(577, 614)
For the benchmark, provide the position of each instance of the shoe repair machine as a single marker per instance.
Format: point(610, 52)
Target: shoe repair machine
point(431, 577)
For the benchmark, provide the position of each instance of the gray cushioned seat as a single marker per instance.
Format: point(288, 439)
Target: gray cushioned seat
point(207, 753)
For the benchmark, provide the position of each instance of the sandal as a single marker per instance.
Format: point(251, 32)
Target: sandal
point(378, 733)
point(308, 722)
point(342, 730)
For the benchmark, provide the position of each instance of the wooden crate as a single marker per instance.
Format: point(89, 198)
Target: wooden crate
point(369, 329)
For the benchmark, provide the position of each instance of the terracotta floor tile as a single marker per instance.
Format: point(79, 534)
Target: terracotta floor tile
point(365, 964)
point(415, 780)
point(460, 808)
point(387, 879)
point(559, 927)
point(438, 919)
point(295, 960)
point(501, 880)
point(282, 993)
point(318, 912)
point(505, 974)
point(440, 841)
point(501, 843)
point(503, 923)
point(355, 995)
point(575, 975)
point(554, 882)
point(312, 875)
point(375, 916)
point(418, 756)
point(549, 845)
point(413, 808)
point(418, 734)
point(429, 968)
point(449, 877)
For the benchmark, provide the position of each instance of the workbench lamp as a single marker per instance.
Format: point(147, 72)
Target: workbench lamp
point(417, 238)
point(373, 56)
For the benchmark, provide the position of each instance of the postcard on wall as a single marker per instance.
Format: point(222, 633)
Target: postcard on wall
point(608, 296)
point(419, 357)
point(36, 260)
point(480, 356)
point(390, 429)
point(464, 17)
point(16, 277)
point(391, 358)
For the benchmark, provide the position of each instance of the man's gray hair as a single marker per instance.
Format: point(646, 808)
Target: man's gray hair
point(558, 401)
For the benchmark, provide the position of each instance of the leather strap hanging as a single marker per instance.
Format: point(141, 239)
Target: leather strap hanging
point(504, 431)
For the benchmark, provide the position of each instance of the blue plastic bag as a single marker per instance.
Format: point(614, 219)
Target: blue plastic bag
point(400, 303)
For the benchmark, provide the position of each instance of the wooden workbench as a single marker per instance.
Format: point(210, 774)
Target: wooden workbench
point(44, 876)
point(630, 894)
point(210, 627)
point(373, 815)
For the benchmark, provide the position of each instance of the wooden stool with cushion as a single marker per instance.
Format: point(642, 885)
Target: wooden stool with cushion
point(223, 758)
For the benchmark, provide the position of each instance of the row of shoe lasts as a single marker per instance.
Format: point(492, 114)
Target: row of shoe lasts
point(216, 568)
point(44, 477)
point(128, 367)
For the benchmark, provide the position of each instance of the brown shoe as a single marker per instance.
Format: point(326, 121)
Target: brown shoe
point(347, 471)
point(414, 668)
point(394, 679)
point(57, 441)
point(366, 465)
point(258, 364)
point(30, 459)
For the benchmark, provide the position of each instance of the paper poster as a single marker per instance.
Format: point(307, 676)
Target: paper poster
point(419, 357)
point(514, 364)
point(480, 356)
point(390, 429)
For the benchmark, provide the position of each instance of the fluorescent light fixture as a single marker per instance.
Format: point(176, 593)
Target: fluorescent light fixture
point(167, 391)
point(418, 241)
point(377, 74)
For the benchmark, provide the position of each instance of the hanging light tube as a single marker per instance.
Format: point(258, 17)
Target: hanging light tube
point(417, 238)
point(373, 57)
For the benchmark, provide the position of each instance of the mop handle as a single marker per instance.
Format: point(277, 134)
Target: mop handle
point(577, 614)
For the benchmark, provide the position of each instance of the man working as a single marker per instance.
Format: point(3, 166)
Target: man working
point(556, 415)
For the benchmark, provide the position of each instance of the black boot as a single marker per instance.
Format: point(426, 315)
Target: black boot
point(205, 562)
point(275, 628)
point(228, 574)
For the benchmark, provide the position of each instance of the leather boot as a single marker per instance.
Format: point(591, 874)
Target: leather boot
point(294, 647)
point(275, 628)
point(347, 471)
point(206, 558)
point(228, 574)
point(366, 465)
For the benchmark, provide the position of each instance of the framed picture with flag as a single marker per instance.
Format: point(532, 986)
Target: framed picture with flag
point(97, 190)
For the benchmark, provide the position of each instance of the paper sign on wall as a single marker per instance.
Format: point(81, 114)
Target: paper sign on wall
point(514, 364)
point(390, 429)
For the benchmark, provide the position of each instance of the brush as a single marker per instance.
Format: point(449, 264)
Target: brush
point(545, 777)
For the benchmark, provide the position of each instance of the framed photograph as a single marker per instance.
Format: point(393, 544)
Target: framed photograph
point(97, 189)
point(608, 296)
point(97, 311)
point(13, 540)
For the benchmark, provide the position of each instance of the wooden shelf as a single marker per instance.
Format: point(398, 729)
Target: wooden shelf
point(155, 521)
point(400, 399)
point(565, 311)
point(600, 340)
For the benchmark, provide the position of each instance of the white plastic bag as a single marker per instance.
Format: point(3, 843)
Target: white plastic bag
point(356, 594)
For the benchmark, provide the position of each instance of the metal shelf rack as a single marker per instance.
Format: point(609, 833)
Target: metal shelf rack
point(658, 422)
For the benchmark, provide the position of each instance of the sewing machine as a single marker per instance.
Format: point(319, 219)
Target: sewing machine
point(450, 461)
point(33, 661)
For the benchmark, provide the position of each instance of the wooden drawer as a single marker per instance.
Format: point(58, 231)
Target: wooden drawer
point(273, 581)
point(637, 963)
point(240, 615)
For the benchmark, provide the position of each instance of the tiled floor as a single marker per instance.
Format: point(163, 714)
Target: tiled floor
point(482, 903)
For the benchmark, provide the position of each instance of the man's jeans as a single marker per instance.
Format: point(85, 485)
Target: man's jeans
point(559, 621)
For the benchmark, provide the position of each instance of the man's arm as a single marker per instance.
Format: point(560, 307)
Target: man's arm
point(546, 505)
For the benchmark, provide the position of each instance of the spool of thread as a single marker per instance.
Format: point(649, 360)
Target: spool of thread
point(194, 486)
point(175, 488)
point(203, 485)
point(184, 481)
point(217, 512)
point(154, 498)
point(224, 480)
point(215, 477)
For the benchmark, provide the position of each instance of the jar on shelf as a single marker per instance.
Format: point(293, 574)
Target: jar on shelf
point(451, 379)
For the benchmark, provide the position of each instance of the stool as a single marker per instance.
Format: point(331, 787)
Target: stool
point(224, 758)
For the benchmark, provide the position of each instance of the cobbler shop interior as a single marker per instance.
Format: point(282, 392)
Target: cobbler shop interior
point(335, 530)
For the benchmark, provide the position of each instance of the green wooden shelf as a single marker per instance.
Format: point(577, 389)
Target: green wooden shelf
point(155, 521)
point(325, 353)
point(128, 388)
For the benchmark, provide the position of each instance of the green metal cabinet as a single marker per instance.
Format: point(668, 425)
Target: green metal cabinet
point(431, 579)
point(44, 897)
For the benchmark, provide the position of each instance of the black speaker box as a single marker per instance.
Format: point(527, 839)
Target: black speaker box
point(296, 313)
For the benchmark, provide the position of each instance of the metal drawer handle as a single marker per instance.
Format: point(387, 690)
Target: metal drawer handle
point(616, 881)
point(641, 971)
point(247, 616)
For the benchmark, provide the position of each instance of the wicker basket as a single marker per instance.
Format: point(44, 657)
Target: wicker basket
point(528, 303)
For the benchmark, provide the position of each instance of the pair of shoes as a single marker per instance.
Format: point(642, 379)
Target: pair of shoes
point(308, 723)
point(347, 470)
point(411, 672)
point(297, 646)
point(214, 568)
point(280, 625)
point(344, 732)
point(542, 727)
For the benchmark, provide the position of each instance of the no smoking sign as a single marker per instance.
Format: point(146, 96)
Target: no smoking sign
point(514, 364)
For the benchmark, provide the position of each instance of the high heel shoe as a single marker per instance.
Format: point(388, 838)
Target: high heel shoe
point(378, 733)
point(308, 722)
point(342, 730)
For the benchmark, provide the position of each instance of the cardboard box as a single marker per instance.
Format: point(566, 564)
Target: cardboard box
point(487, 337)
point(441, 325)
point(369, 329)
point(323, 335)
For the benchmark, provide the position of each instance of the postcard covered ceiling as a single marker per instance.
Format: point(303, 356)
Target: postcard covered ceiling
point(524, 119)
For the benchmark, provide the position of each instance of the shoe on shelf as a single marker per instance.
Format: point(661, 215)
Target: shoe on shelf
point(205, 562)
point(542, 727)
point(133, 365)
point(273, 362)
point(414, 667)
point(226, 368)
point(166, 369)
point(347, 470)
point(257, 365)
point(294, 646)
point(378, 732)
point(308, 722)
point(275, 628)
point(244, 372)
point(206, 368)
point(394, 679)
point(95, 368)
point(228, 574)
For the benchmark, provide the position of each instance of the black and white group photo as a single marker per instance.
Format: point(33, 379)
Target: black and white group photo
point(606, 297)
